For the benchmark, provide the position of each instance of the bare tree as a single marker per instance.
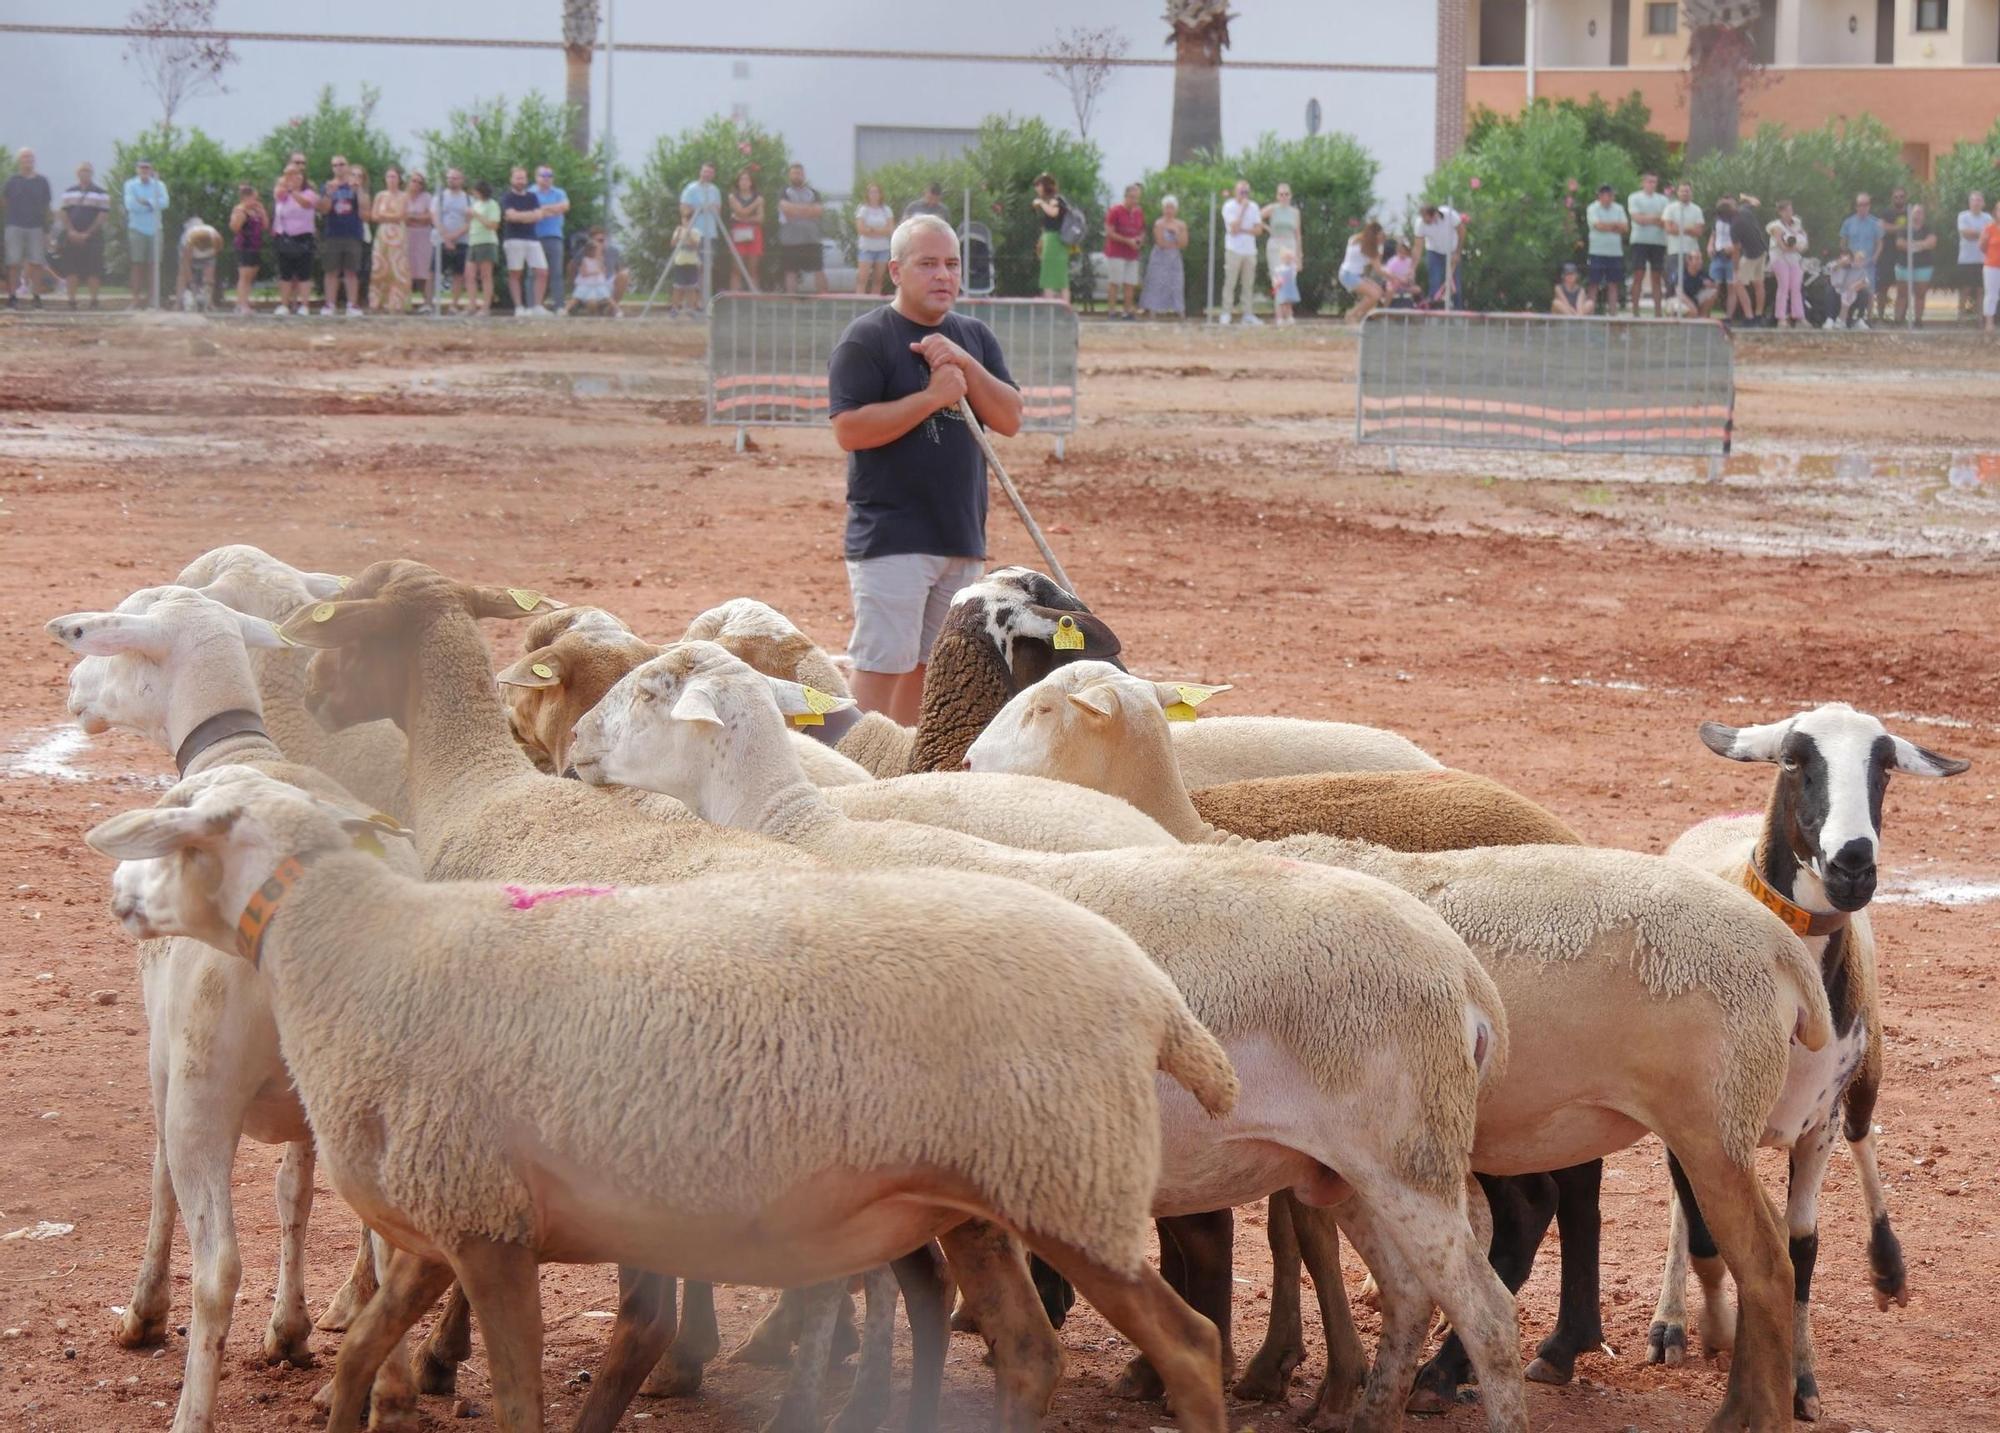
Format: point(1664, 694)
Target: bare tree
point(1199, 33)
point(579, 22)
point(1082, 60)
point(1722, 66)
point(173, 43)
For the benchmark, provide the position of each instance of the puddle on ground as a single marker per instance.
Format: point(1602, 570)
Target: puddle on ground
point(50, 754)
point(1939, 891)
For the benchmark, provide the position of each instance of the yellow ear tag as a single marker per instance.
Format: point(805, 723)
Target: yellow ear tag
point(323, 612)
point(1180, 711)
point(342, 582)
point(544, 671)
point(1069, 637)
point(1195, 696)
point(369, 842)
point(525, 600)
point(820, 703)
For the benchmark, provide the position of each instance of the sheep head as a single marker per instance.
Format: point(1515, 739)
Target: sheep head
point(548, 691)
point(1088, 723)
point(251, 580)
point(767, 640)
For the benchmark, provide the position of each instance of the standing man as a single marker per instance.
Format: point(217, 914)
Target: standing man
point(549, 232)
point(706, 198)
point(453, 224)
point(916, 479)
point(340, 254)
point(1243, 221)
point(145, 201)
point(1895, 224)
point(1646, 205)
point(27, 228)
point(1862, 234)
point(1684, 223)
point(1973, 222)
point(1608, 224)
point(1441, 233)
point(932, 204)
point(520, 213)
point(294, 217)
point(799, 209)
point(1753, 256)
point(85, 207)
point(1124, 226)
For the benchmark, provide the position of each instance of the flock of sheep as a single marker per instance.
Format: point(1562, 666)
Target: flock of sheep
point(775, 993)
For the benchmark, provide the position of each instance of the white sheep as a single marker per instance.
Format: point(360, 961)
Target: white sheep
point(1620, 974)
point(490, 1094)
point(1811, 857)
point(1362, 1027)
point(173, 665)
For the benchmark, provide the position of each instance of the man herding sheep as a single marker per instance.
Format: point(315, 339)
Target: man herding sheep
point(916, 479)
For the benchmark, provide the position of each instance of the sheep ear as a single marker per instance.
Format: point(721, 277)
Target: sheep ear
point(1922, 761)
point(1745, 743)
point(537, 669)
point(796, 700)
point(696, 703)
point(509, 602)
point(1099, 643)
point(157, 831)
point(322, 585)
point(110, 634)
point(338, 624)
point(259, 633)
point(1097, 701)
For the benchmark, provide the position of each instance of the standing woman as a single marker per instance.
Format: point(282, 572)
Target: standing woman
point(746, 223)
point(1361, 271)
point(1281, 221)
point(482, 233)
point(1788, 265)
point(1915, 269)
point(1165, 291)
point(247, 222)
point(874, 222)
point(1050, 248)
point(390, 276)
point(420, 219)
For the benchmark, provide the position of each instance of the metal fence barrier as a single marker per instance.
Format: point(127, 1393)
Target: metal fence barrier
point(767, 357)
point(1546, 384)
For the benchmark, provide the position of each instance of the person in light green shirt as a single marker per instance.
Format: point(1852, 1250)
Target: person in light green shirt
point(482, 245)
point(1648, 206)
point(1606, 223)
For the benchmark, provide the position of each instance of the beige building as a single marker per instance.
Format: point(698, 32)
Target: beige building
point(1929, 69)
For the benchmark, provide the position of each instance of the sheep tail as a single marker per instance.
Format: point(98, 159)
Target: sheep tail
point(1802, 988)
point(1195, 1060)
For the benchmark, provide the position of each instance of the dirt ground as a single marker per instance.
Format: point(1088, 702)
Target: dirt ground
point(1559, 626)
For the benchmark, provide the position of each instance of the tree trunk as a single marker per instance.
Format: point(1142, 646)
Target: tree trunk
point(1718, 58)
point(577, 94)
point(1197, 97)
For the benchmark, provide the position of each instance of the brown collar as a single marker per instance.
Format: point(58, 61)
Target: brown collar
point(237, 721)
point(1802, 921)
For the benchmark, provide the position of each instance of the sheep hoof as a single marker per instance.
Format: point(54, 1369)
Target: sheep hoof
point(1268, 1379)
point(1667, 1343)
point(1542, 1371)
point(1139, 1381)
point(288, 1346)
point(386, 1418)
point(864, 1412)
point(322, 1398)
point(962, 1320)
point(344, 1310)
point(1805, 1399)
point(1370, 1296)
point(437, 1377)
point(1429, 1402)
point(137, 1331)
point(673, 1379)
point(765, 1348)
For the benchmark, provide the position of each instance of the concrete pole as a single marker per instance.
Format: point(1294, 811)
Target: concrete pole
point(1533, 51)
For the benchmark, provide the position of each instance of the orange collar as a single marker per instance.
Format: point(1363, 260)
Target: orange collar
point(263, 908)
point(1802, 921)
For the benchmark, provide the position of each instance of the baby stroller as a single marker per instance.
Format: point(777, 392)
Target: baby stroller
point(977, 242)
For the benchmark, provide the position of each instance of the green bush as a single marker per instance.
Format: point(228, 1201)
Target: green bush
point(1968, 165)
point(327, 129)
point(201, 178)
point(1333, 185)
point(1628, 124)
point(1819, 170)
point(1523, 189)
point(486, 140)
point(652, 197)
point(1000, 170)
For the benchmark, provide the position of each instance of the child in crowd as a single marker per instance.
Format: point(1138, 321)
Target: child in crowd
point(1850, 276)
point(200, 243)
point(1401, 267)
point(592, 291)
point(1285, 285)
point(684, 267)
point(1693, 289)
point(1572, 299)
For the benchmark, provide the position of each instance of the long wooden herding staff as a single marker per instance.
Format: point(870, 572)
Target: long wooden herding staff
point(1014, 497)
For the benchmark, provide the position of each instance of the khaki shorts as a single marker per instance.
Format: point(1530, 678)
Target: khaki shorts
point(1751, 271)
point(900, 603)
point(142, 248)
point(26, 246)
point(1120, 271)
point(526, 254)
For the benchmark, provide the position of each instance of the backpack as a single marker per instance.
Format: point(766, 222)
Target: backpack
point(1074, 223)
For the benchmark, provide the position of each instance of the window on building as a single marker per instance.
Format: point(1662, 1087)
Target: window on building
point(1663, 19)
point(1933, 14)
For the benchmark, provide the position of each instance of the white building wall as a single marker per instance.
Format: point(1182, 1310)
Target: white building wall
point(815, 103)
point(1816, 32)
point(1564, 31)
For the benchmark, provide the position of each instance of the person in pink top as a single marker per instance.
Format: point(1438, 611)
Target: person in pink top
point(294, 217)
point(1124, 226)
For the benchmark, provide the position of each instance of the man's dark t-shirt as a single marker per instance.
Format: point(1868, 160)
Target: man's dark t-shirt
point(27, 201)
point(925, 492)
point(522, 203)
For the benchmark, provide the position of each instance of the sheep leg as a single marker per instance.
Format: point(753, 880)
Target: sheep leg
point(435, 1366)
point(1885, 1252)
point(1181, 1344)
point(1808, 1171)
point(201, 1148)
point(1580, 1312)
point(819, 1311)
point(1725, 1194)
point(1522, 1207)
point(1269, 1374)
point(1346, 1360)
point(503, 1284)
point(1206, 1246)
point(409, 1285)
point(1405, 1313)
point(352, 1296)
point(1718, 1318)
point(770, 1343)
point(1027, 1356)
point(1666, 1340)
point(643, 1329)
point(867, 1406)
point(697, 1341)
point(144, 1322)
point(926, 1286)
point(286, 1337)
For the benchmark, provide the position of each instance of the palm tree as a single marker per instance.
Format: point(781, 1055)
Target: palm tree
point(1199, 35)
point(1722, 59)
point(579, 23)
